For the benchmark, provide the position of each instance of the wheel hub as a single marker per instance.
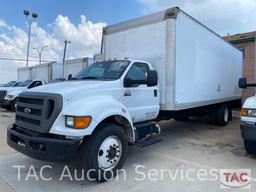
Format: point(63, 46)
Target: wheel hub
point(112, 153)
point(109, 152)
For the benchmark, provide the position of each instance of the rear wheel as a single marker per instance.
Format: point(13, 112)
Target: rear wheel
point(104, 152)
point(213, 115)
point(220, 115)
point(223, 115)
point(250, 146)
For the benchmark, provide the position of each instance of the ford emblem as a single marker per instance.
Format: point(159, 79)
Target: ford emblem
point(27, 110)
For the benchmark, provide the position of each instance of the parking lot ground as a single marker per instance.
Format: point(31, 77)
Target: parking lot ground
point(191, 145)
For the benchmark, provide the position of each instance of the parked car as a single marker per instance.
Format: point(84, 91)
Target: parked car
point(9, 84)
point(248, 118)
point(179, 69)
point(8, 95)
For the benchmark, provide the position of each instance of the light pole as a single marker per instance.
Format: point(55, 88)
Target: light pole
point(40, 53)
point(30, 21)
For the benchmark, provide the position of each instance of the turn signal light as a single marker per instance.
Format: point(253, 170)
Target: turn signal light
point(244, 112)
point(78, 122)
point(82, 122)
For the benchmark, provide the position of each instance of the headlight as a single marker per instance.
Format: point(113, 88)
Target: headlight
point(78, 122)
point(10, 97)
point(248, 112)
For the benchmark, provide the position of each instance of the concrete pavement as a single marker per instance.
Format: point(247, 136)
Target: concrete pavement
point(185, 145)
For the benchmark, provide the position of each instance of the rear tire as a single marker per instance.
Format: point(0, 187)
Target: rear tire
point(250, 146)
point(223, 115)
point(104, 152)
point(213, 115)
point(220, 115)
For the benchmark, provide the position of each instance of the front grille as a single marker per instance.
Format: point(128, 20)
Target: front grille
point(37, 111)
point(2, 96)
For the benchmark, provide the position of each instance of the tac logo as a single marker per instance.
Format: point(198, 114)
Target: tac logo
point(235, 178)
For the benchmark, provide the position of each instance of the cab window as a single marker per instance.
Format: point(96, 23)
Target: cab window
point(138, 72)
point(35, 84)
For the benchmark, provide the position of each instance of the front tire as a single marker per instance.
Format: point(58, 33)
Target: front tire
point(104, 152)
point(13, 105)
point(250, 146)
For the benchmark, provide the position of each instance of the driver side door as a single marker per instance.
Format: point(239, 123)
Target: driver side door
point(141, 100)
point(35, 84)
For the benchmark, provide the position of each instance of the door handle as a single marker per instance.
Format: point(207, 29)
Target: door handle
point(155, 92)
point(127, 93)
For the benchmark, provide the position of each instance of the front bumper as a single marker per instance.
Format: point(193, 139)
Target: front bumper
point(42, 146)
point(5, 103)
point(248, 132)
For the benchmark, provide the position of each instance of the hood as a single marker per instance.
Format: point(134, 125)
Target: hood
point(15, 92)
point(13, 88)
point(250, 103)
point(76, 87)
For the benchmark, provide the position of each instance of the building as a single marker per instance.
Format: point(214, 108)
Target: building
point(246, 43)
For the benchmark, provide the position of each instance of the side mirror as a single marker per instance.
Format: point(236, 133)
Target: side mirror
point(127, 82)
point(31, 86)
point(69, 77)
point(242, 83)
point(152, 78)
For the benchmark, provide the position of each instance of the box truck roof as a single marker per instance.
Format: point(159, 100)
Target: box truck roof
point(187, 55)
point(153, 18)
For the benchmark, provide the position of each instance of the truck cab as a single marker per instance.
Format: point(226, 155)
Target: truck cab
point(248, 119)
point(92, 117)
point(8, 95)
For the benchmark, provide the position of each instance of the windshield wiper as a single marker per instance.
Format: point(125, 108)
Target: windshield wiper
point(90, 77)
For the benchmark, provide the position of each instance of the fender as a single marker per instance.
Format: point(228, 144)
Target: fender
point(93, 106)
point(15, 94)
point(116, 108)
point(249, 103)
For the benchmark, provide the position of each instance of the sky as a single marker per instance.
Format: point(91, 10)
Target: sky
point(81, 22)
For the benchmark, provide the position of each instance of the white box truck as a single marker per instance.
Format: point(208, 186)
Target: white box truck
point(248, 119)
point(176, 68)
point(48, 71)
point(25, 73)
point(75, 65)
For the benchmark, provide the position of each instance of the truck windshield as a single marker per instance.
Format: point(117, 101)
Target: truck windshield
point(24, 83)
point(17, 84)
point(107, 70)
point(57, 80)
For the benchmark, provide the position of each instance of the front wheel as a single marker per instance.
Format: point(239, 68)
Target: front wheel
point(13, 105)
point(104, 152)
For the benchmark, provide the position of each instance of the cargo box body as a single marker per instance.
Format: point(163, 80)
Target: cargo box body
point(76, 65)
point(196, 67)
point(48, 72)
point(25, 73)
